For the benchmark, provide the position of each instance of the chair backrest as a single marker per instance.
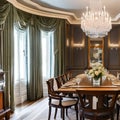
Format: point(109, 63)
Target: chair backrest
point(68, 75)
point(99, 96)
point(64, 79)
point(50, 85)
point(96, 101)
point(59, 81)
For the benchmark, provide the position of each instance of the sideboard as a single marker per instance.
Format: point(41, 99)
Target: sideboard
point(4, 112)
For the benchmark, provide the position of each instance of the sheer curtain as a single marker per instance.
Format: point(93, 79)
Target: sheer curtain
point(20, 63)
point(47, 40)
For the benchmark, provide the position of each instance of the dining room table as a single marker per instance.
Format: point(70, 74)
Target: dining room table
point(84, 82)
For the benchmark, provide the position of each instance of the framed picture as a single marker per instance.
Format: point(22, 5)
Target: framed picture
point(95, 51)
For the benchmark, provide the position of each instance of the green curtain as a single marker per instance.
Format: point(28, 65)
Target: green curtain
point(8, 55)
point(11, 16)
point(35, 90)
point(58, 26)
point(4, 10)
point(59, 48)
point(47, 24)
point(36, 24)
point(23, 21)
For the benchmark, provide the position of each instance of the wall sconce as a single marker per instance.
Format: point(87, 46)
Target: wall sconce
point(67, 43)
point(78, 45)
point(113, 45)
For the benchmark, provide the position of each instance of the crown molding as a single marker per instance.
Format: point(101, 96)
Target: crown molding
point(48, 12)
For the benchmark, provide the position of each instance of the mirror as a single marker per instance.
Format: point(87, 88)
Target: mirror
point(95, 51)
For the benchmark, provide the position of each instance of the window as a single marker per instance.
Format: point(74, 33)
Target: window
point(20, 51)
point(47, 57)
point(20, 62)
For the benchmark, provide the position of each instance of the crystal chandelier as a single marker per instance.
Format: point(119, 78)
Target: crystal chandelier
point(96, 22)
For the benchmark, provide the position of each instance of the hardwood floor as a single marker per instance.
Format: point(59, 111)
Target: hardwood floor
point(30, 110)
point(38, 110)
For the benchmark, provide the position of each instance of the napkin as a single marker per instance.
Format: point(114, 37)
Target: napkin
point(111, 77)
point(81, 76)
point(116, 82)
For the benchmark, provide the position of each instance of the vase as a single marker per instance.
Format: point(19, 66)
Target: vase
point(96, 82)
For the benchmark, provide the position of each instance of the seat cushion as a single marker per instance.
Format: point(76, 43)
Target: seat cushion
point(66, 102)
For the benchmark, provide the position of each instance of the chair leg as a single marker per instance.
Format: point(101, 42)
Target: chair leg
point(112, 116)
point(117, 107)
point(81, 116)
point(66, 111)
point(55, 113)
point(76, 109)
point(49, 113)
point(61, 112)
point(63, 115)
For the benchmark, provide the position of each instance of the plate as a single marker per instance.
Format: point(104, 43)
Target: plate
point(117, 82)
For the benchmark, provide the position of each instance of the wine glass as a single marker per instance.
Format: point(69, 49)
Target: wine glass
point(78, 81)
point(118, 76)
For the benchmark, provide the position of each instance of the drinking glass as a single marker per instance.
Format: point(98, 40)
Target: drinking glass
point(78, 81)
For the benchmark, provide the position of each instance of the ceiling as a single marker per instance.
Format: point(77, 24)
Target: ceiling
point(67, 9)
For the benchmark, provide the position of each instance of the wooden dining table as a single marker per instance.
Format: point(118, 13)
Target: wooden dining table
point(110, 82)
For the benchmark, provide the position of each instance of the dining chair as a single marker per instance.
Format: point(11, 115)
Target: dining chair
point(59, 81)
point(94, 106)
point(60, 101)
point(64, 78)
point(68, 75)
point(118, 107)
point(118, 101)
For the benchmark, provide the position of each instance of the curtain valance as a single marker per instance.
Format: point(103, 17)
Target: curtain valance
point(4, 10)
point(23, 19)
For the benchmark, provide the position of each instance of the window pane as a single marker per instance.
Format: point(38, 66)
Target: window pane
point(48, 54)
point(47, 58)
point(20, 86)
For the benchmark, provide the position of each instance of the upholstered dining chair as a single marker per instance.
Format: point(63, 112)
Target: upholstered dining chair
point(94, 107)
point(118, 107)
point(68, 75)
point(59, 81)
point(60, 101)
point(64, 79)
point(118, 100)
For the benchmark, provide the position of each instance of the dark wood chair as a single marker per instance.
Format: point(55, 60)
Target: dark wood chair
point(60, 101)
point(64, 79)
point(68, 75)
point(59, 81)
point(103, 110)
point(118, 107)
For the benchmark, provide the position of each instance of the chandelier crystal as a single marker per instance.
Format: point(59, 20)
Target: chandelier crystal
point(96, 22)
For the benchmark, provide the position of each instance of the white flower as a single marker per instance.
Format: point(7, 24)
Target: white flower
point(97, 71)
point(92, 75)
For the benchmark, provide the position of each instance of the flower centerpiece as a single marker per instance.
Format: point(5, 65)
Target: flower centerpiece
point(97, 71)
